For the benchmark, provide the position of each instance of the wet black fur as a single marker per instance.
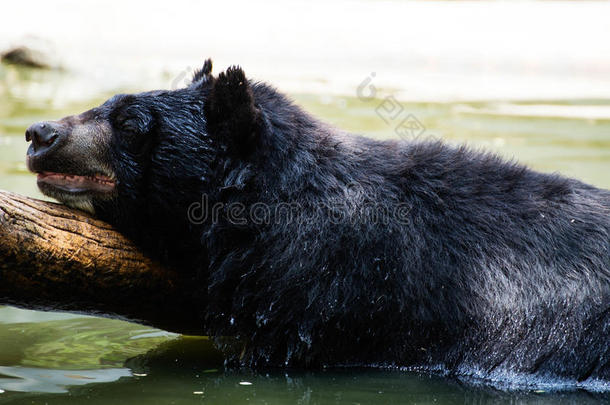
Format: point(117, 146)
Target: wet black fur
point(497, 269)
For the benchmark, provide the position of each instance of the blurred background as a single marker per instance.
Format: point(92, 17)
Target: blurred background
point(527, 79)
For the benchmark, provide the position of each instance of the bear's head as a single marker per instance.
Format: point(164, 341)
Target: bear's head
point(147, 155)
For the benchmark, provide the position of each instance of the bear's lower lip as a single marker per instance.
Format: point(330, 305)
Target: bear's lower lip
point(77, 184)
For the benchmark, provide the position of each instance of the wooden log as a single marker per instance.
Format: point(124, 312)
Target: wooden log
point(56, 258)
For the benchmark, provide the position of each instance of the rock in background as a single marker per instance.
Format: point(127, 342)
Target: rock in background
point(31, 52)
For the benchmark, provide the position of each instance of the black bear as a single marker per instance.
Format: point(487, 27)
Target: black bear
point(312, 247)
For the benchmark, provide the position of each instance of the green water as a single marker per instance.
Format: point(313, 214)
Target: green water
point(50, 358)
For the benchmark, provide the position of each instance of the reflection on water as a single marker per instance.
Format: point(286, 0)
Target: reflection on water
point(75, 343)
point(24, 379)
point(188, 370)
point(106, 361)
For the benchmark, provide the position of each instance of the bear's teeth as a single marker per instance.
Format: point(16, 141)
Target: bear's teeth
point(76, 183)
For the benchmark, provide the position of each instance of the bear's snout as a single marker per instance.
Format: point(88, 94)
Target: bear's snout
point(69, 159)
point(71, 145)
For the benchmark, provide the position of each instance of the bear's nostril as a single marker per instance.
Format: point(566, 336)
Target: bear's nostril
point(50, 140)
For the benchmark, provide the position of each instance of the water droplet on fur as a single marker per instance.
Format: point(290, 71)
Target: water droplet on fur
point(261, 319)
point(305, 337)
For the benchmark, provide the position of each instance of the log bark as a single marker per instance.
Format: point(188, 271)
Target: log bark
point(56, 258)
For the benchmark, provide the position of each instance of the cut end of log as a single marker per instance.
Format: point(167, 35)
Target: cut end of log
point(56, 258)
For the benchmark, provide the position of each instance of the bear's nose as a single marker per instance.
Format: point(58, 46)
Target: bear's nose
point(42, 135)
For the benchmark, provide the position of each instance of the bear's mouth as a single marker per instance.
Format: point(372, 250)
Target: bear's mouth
point(76, 184)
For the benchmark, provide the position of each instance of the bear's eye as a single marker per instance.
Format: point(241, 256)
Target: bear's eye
point(133, 125)
point(134, 119)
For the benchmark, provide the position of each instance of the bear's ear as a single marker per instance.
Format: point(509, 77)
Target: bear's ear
point(231, 113)
point(204, 73)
